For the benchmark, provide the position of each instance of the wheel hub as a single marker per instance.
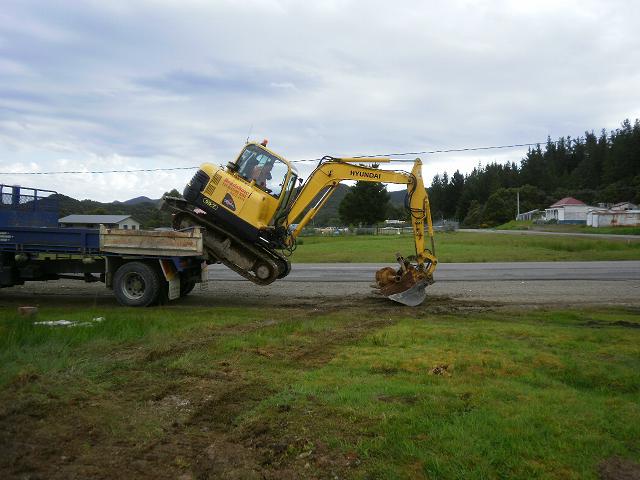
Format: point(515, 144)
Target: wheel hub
point(134, 285)
point(263, 272)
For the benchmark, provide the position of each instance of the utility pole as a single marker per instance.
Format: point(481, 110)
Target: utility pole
point(518, 202)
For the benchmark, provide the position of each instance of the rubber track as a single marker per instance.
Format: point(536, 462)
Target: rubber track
point(260, 253)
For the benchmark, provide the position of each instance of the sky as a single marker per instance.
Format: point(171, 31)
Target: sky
point(95, 85)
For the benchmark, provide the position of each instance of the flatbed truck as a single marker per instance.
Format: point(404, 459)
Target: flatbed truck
point(142, 267)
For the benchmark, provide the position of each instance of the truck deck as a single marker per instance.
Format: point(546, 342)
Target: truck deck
point(78, 241)
point(103, 241)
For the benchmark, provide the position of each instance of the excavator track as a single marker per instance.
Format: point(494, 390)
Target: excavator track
point(253, 262)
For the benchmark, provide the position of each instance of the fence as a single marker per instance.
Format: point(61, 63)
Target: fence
point(28, 207)
point(446, 226)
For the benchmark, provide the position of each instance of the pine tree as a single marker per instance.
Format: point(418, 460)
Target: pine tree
point(365, 204)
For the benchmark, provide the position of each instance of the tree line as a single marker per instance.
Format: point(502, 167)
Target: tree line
point(593, 168)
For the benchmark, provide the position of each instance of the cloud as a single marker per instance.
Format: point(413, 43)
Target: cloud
point(152, 84)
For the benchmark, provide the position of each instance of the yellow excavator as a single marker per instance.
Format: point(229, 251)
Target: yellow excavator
point(253, 210)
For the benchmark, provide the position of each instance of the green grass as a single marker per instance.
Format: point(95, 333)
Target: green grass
point(529, 225)
point(519, 401)
point(522, 394)
point(466, 247)
point(516, 225)
point(27, 348)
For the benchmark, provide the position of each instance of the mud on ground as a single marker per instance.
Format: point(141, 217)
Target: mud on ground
point(198, 426)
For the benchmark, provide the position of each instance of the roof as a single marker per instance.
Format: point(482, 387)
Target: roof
point(567, 201)
point(616, 212)
point(629, 205)
point(93, 218)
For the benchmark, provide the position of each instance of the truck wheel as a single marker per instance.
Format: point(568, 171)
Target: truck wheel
point(137, 284)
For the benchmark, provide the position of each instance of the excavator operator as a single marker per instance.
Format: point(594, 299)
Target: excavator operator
point(255, 165)
point(262, 173)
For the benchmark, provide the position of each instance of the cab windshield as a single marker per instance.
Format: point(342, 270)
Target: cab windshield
point(268, 171)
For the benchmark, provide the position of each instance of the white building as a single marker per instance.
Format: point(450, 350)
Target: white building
point(123, 222)
point(625, 206)
point(568, 210)
point(613, 218)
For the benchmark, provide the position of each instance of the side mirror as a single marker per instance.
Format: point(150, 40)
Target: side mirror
point(232, 166)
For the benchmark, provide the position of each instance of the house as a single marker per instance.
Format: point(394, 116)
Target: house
point(568, 210)
point(123, 222)
point(614, 217)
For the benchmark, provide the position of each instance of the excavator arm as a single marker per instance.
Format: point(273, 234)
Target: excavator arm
point(407, 284)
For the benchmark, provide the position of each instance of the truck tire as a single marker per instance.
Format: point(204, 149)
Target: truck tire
point(137, 284)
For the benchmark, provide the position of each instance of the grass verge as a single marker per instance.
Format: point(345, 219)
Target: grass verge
point(369, 392)
point(529, 225)
point(466, 247)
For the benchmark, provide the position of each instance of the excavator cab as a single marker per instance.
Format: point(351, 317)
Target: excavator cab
point(250, 197)
point(270, 173)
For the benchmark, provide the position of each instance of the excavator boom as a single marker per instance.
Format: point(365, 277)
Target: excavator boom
point(407, 284)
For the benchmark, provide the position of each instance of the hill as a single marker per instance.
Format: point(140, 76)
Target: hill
point(397, 198)
point(145, 211)
point(328, 215)
point(137, 200)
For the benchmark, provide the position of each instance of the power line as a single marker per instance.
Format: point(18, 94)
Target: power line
point(397, 154)
point(99, 171)
point(431, 152)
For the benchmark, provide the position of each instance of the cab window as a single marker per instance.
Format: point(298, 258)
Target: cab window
point(267, 171)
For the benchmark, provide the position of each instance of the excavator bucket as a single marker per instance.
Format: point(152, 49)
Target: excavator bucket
point(406, 285)
point(412, 297)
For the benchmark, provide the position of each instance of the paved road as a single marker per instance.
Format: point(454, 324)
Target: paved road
point(320, 286)
point(517, 284)
point(458, 272)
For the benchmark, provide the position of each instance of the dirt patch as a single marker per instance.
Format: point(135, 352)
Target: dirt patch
point(405, 399)
point(433, 305)
point(323, 348)
point(196, 419)
point(169, 423)
point(384, 369)
point(618, 468)
point(619, 323)
point(441, 369)
point(203, 436)
point(205, 338)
